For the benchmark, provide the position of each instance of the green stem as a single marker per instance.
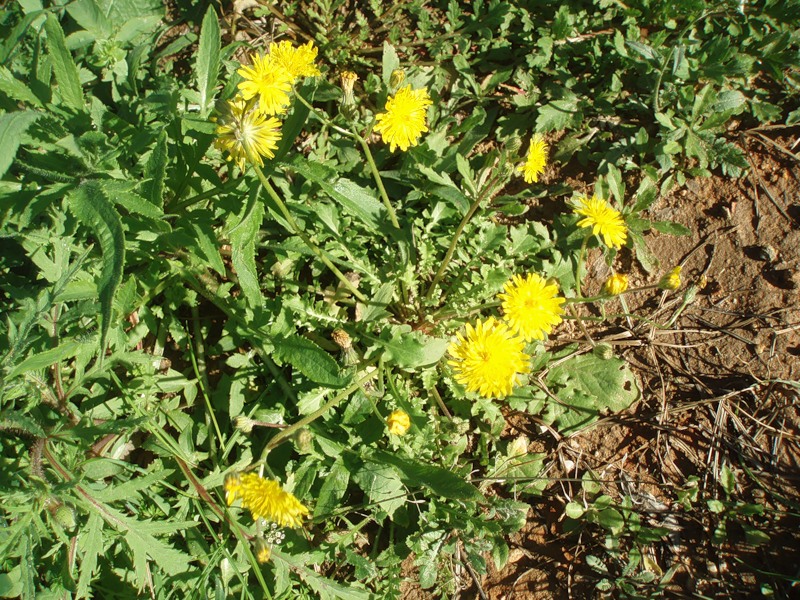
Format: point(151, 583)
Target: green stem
point(459, 230)
point(307, 240)
point(579, 266)
point(378, 180)
point(182, 206)
point(290, 431)
point(322, 118)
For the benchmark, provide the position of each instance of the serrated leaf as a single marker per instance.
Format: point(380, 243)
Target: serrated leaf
point(376, 308)
point(91, 544)
point(409, 350)
point(208, 244)
point(308, 358)
point(441, 482)
point(557, 115)
point(243, 238)
point(207, 65)
point(323, 587)
point(121, 193)
point(155, 172)
point(615, 184)
point(69, 82)
point(42, 360)
point(14, 88)
point(382, 485)
point(89, 204)
point(12, 126)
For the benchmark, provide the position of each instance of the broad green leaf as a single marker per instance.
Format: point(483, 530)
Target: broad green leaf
point(208, 244)
point(356, 200)
point(308, 358)
point(12, 126)
point(409, 350)
point(670, 227)
point(615, 184)
point(390, 62)
point(243, 250)
point(376, 308)
point(121, 193)
point(588, 386)
point(155, 172)
point(333, 489)
point(15, 89)
point(90, 205)
point(558, 114)
point(381, 483)
point(441, 482)
point(207, 65)
point(69, 82)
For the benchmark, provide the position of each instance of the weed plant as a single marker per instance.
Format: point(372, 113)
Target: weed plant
point(264, 317)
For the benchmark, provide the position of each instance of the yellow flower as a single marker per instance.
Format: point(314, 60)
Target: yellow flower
point(398, 422)
point(536, 161)
point(298, 62)
point(672, 280)
point(404, 120)
point(263, 551)
point(616, 284)
point(604, 220)
point(489, 359)
point(265, 499)
point(531, 306)
point(267, 80)
point(247, 134)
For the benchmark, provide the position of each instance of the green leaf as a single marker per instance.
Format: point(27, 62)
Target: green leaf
point(441, 482)
point(89, 204)
point(12, 126)
point(66, 72)
point(588, 386)
point(207, 65)
point(243, 238)
point(382, 485)
point(308, 358)
point(670, 228)
point(15, 89)
point(155, 172)
point(390, 62)
point(574, 510)
point(120, 192)
point(356, 200)
point(376, 308)
point(615, 184)
point(91, 544)
point(409, 350)
point(208, 245)
point(42, 360)
point(333, 489)
point(558, 114)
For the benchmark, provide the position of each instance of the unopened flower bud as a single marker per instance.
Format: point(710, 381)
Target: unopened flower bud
point(263, 551)
point(672, 280)
point(342, 339)
point(398, 422)
point(603, 351)
point(303, 441)
point(396, 78)
point(616, 284)
point(348, 105)
point(244, 424)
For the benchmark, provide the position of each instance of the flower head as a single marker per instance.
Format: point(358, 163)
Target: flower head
point(265, 499)
point(536, 161)
point(263, 551)
point(404, 120)
point(672, 280)
point(531, 306)
point(267, 80)
point(398, 422)
point(247, 134)
point(604, 220)
point(297, 62)
point(488, 359)
point(616, 284)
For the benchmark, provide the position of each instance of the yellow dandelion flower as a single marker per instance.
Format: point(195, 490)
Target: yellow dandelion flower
point(268, 81)
point(604, 220)
point(616, 284)
point(536, 161)
point(398, 422)
point(404, 120)
point(531, 307)
point(265, 499)
point(672, 280)
point(298, 62)
point(247, 134)
point(263, 551)
point(489, 358)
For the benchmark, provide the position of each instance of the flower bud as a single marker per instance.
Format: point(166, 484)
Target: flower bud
point(342, 339)
point(263, 551)
point(348, 105)
point(603, 351)
point(398, 422)
point(672, 280)
point(396, 78)
point(303, 440)
point(244, 424)
point(616, 284)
